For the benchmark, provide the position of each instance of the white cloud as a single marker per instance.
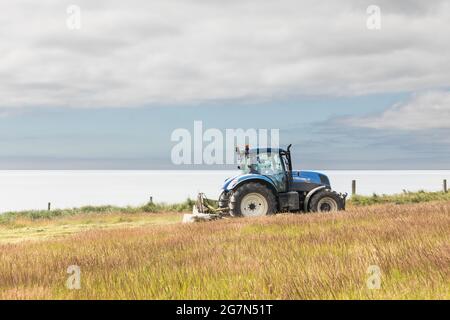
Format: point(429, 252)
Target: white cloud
point(430, 110)
point(142, 52)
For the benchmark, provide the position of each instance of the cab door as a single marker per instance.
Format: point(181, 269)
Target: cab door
point(286, 171)
point(276, 171)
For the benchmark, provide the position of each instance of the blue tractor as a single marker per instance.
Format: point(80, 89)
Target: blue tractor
point(267, 184)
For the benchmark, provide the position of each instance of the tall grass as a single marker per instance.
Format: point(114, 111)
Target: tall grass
point(312, 256)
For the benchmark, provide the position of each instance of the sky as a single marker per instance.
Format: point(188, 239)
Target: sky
point(104, 84)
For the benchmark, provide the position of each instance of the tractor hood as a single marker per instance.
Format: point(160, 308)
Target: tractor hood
point(310, 177)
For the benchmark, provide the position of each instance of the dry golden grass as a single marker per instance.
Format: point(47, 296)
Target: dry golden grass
point(312, 256)
point(26, 229)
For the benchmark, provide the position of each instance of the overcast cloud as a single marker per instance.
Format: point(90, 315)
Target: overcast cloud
point(134, 53)
point(430, 110)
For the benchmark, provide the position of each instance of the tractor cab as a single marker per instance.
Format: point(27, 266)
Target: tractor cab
point(267, 162)
point(276, 165)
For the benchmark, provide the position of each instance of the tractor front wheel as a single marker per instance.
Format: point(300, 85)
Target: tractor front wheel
point(326, 201)
point(252, 200)
point(224, 199)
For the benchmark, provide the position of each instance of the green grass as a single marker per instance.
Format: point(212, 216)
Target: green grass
point(406, 197)
point(10, 217)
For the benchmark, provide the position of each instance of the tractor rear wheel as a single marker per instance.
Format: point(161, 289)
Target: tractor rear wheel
point(326, 201)
point(252, 200)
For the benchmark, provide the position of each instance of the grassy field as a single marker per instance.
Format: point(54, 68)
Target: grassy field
point(402, 198)
point(26, 229)
point(11, 217)
point(306, 256)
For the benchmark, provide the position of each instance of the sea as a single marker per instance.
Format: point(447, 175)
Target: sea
point(33, 190)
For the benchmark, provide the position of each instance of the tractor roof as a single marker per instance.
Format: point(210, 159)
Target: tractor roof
point(265, 150)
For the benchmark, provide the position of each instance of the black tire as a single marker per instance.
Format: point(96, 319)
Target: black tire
point(224, 198)
point(326, 201)
point(252, 188)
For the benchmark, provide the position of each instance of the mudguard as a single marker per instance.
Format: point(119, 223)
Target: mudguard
point(309, 195)
point(231, 183)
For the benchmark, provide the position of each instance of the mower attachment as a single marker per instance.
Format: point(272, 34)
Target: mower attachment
point(203, 210)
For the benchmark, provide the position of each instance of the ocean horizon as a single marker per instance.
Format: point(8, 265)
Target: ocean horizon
point(34, 189)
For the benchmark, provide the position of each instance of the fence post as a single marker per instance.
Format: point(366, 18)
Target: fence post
point(353, 187)
point(445, 185)
point(49, 206)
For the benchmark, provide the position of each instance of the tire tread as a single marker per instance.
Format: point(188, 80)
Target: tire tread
point(250, 187)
